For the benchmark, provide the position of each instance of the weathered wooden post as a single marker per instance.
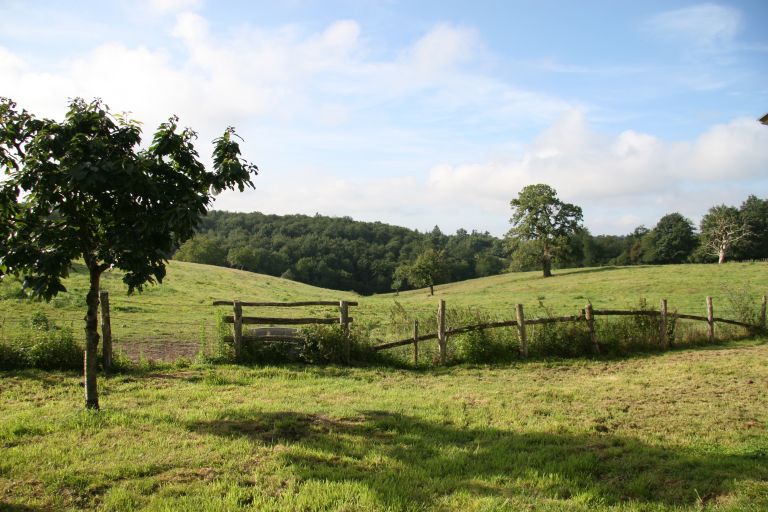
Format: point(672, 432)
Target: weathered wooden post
point(710, 320)
point(415, 342)
point(762, 312)
point(106, 330)
point(663, 338)
point(344, 321)
point(238, 330)
point(590, 317)
point(442, 338)
point(521, 330)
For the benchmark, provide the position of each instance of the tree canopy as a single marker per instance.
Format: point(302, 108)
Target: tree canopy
point(544, 223)
point(82, 189)
point(673, 240)
point(428, 269)
point(336, 252)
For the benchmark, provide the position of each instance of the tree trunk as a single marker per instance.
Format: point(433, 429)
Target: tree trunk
point(721, 256)
point(92, 338)
point(546, 263)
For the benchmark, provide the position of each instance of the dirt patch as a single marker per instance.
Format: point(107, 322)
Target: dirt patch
point(161, 351)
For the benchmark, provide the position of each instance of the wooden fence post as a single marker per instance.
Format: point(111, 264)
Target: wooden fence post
point(663, 338)
point(344, 321)
point(442, 339)
point(590, 317)
point(762, 312)
point(521, 330)
point(238, 329)
point(106, 330)
point(710, 320)
point(415, 342)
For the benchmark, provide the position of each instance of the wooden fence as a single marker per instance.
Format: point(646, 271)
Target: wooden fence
point(270, 334)
point(586, 315)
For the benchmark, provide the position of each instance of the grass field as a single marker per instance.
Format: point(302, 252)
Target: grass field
point(680, 431)
point(180, 309)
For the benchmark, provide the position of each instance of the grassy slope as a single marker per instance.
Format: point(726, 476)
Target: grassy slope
point(681, 431)
point(179, 310)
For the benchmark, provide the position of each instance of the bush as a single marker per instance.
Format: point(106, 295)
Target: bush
point(560, 339)
point(317, 345)
point(11, 355)
point(628, 334)
point(41, 344)
point(323, 344)
point(484, 346)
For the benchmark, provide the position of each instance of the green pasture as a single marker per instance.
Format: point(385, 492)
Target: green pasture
point(679, 431)
point(180, 309)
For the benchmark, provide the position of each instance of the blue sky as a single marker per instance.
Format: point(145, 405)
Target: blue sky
point(428, 113)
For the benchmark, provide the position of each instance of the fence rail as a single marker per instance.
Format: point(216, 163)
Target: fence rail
point(586, 315)
point(283, 304)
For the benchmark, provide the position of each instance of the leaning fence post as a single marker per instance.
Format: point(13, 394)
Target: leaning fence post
point(590, 317)
point(710, 320)
point(664, 339)
point(762, 313)
point(521, 330)
point(442, 339)
point(344, 321)
point(238, 329)
point(106, 330)
point(415, 342)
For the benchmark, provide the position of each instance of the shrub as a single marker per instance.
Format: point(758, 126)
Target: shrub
point(11, 355)
point(560, 339)
point(742, 305)
point(324, 344)
point(42, 344)
point(484, 346)
point(640, 332)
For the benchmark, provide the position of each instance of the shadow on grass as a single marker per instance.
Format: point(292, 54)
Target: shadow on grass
point(12, 507)
point(569, 271)
point(408, 462)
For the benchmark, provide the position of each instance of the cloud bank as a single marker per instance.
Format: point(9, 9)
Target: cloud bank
point(417, 135)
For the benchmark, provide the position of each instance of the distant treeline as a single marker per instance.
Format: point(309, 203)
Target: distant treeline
point(335, 252)
point(344, 254)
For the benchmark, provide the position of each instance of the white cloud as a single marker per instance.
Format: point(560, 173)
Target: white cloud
point(705, 26)
point(299, 97)
point(615, 177)
point(170, 6)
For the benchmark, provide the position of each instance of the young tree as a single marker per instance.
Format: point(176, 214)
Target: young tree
point(400, 277)
point(82, 189)
point(428, 270)
point(721, 230)
point(539, 217)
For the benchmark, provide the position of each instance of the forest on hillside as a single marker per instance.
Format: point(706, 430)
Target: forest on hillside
point(370, 257)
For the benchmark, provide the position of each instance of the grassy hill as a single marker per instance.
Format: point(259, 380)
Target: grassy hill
point(180, 309)
point(677, 431)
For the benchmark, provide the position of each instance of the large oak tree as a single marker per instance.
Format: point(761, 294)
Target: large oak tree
point(543, 223)
point(83, 189)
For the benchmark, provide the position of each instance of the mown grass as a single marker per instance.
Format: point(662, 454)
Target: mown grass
point(684, 430)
